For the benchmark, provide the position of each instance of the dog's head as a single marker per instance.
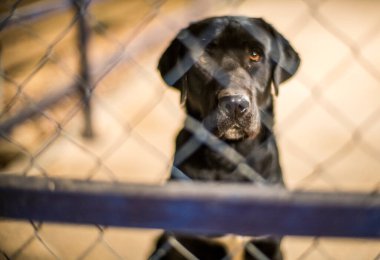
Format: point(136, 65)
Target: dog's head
point(224, 68)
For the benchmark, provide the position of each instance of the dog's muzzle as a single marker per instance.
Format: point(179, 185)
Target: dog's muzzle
point(236, 117)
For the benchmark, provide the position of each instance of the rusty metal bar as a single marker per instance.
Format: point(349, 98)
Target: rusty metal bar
point(85, 84)
point(34, 11)
point(36, 109)
point(198, 208)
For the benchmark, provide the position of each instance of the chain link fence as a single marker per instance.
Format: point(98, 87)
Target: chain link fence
point(80, 98)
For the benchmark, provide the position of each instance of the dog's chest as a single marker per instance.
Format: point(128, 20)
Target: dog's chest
point(209, 165)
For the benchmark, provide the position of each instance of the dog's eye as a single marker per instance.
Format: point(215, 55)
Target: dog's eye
point(254, 56)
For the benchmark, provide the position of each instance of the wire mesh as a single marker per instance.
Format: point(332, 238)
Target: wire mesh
point(96, 109)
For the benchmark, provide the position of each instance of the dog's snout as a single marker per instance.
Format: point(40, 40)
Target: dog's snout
point(234, 106)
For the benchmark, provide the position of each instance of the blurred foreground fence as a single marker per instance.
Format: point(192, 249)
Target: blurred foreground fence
point(45, 87)
point(194, 208)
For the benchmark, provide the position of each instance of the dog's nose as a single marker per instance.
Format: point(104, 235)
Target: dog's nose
point(234, 106)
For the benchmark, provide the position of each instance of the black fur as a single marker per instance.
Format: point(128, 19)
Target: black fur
point(209, 61)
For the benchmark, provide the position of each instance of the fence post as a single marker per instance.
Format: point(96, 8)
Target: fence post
point(1, 81)
point(85, 87)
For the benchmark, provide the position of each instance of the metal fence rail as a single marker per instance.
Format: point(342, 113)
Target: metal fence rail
point(194, 208)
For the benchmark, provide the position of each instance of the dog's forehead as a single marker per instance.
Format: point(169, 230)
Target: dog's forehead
point(252, 28)
point(226, 29)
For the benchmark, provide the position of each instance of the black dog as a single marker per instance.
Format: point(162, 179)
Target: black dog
point(224, 68)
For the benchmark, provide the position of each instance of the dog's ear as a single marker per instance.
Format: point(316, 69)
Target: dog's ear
point(286, 60)
point(172, 65)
